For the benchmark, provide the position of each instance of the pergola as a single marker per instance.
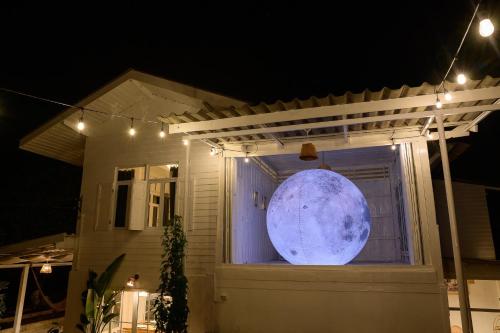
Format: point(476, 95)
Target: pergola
point(56, 250)
point(350, 121)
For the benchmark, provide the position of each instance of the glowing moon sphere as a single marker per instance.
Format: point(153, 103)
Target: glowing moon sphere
point(318, 217)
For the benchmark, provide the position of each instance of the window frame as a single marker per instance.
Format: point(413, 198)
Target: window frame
point(116, 183)
point(146, 178)
point(162, 182)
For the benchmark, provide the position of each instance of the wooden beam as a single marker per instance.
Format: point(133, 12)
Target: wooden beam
point(333, 110)
point(20, 299)
point(342, 122)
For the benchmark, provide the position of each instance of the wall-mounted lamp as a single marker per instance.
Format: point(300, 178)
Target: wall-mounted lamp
point(132, 280)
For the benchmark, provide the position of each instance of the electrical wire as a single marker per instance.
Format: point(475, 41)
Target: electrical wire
point(455, 56)
point(76, 107)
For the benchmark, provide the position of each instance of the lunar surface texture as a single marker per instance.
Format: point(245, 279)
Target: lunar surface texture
point(318, 217)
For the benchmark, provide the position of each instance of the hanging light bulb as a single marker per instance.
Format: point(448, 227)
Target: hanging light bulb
point(439, 104)
point(162, 132)
point(246, 158)
point(461, 78)
point(46, 268)
point(393, 146)
point(81, 125)
point(212, 151)
point(131, 131)
point(185, 142)
point(448, 96)
point(486, 27)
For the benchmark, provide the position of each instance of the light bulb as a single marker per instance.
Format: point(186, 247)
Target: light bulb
point(447, 96)
point(185, 142)
point(247, 160)
point(486, 28)
point(131, 131)
point(80, 125)
point(46, 268)
point(461, 78)
point(393, 147)
point(212, 151)
point(439, 104)
point(162, 134)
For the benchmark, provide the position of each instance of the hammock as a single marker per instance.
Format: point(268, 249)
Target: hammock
point(56, 306)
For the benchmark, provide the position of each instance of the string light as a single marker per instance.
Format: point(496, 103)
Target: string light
point(461, 78)
point(448, 96)
point(393, 146)
point(212, 151)
point(81, 125)
point(439, 104)
point(486, 27)
point(162, 132)
point(131, 131)
point(246, 158)
point(185, 142)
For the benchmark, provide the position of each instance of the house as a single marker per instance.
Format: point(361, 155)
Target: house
point(218, 167)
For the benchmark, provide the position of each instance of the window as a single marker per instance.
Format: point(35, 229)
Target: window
point(376, 171)
point(162, 186)
point(127, 181)
point(145, 196)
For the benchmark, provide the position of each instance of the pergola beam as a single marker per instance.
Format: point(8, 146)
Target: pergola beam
point(332, 111)
point(342, 122)
point(20, 299)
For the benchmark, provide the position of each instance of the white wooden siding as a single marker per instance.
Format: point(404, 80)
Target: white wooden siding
point(250, 240)
point(474, 228)
point(99, 242)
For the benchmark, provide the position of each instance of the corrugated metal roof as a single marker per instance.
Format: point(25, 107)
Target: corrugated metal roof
point(59, 140)
point(347, 98)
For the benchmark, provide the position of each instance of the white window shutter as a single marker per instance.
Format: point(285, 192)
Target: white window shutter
point(137, 216)
point(103, 205)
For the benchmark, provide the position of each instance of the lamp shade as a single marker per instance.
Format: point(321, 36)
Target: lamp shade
point(308, 152)
point(46, 268)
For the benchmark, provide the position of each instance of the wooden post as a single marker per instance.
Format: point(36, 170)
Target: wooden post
point(457, 258)
point(20, 298)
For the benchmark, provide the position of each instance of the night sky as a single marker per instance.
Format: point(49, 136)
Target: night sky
point(255, 51)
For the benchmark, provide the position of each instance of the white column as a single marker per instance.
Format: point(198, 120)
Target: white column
point(20, 298)
point(135, 306)
point(457, 258)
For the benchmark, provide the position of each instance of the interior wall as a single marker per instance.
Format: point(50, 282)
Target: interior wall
point(383, 244)
point(251, 191)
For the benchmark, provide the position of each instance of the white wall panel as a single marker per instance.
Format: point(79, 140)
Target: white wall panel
point(250, 240)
